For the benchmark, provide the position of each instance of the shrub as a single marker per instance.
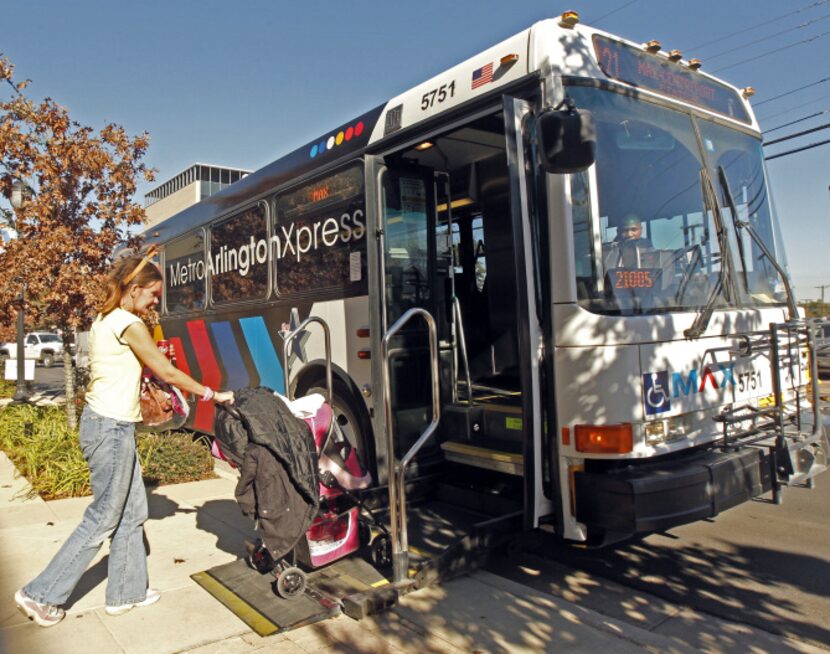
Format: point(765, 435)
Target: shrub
point(46, 451)
point(174, 457)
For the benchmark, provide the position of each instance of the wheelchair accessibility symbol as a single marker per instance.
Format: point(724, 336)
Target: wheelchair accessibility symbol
point(656, 392)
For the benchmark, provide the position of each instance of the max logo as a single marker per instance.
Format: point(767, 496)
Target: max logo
point(658, 393)
point(689, 384)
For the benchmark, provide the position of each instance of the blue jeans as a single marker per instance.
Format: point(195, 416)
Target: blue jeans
point(118, 509)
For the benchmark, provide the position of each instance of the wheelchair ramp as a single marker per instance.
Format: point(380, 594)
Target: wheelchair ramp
point(251, 596)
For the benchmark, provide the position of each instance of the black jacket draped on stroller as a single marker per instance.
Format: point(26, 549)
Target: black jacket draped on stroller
point(277, 457)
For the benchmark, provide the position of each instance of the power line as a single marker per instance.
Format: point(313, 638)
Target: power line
point(791, 109)
point(766, 54)
point(799, 120)
point(754, 27)
point(614, 11)
point(797, 134)
point(767, 38)
point(806, 147)
point(800, 88)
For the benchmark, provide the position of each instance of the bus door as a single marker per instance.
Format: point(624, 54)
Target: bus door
point(408, 261)
point(530, 304)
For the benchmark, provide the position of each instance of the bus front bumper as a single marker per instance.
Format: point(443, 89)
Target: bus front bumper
point(660, 495)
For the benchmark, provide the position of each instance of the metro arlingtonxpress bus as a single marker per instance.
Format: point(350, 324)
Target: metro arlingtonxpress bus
point(495, 341)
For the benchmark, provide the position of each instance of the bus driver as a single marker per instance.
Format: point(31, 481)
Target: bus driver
point(627, 248)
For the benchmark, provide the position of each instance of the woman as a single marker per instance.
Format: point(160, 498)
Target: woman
point(119, 345)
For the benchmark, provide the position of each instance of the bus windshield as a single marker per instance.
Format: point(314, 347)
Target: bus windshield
point(674, 194)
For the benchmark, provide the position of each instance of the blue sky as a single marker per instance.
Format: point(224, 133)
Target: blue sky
point(241, 83)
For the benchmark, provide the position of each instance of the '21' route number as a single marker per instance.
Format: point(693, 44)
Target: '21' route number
point(440, 94)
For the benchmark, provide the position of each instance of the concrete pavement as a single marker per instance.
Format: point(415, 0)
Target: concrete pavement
point(195, 526)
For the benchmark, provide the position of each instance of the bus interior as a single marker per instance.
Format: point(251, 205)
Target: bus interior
point(458, 250)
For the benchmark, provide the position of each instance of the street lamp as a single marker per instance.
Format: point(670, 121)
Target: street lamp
point(20, 194)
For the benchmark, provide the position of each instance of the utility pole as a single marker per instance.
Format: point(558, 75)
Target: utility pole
point(822, 287)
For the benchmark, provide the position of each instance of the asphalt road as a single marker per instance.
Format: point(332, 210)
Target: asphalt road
point(759, 564)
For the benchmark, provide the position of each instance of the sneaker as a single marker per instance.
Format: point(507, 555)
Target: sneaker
point(45, 615)
point(153, 596)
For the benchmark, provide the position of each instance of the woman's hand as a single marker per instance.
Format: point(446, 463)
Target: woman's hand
point(223, 397)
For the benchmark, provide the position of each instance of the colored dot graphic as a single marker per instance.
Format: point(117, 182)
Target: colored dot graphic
point(342, 136)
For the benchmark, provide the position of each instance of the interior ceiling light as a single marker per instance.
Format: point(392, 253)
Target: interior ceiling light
point(426, 145)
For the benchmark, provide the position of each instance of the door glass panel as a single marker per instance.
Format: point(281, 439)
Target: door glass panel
point(407, 244)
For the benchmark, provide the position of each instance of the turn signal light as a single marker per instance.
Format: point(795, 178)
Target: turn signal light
point(675, 55)
point(604, 439)
point(747, 92)
point(569, 19)
point(653, 46)
point(694, 64)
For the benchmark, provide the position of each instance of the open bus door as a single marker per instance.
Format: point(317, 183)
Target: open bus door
point(530, 302)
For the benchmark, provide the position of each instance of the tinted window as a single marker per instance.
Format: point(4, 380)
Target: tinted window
point(185, 273)
point(239, 255)
point(319, 239)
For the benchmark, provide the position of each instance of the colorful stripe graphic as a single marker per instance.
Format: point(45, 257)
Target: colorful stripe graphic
point(236, 375)
point(211, 374)
point(262, 350)
point(181, 359)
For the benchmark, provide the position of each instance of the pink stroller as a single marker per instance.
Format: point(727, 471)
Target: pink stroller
point(334, 532)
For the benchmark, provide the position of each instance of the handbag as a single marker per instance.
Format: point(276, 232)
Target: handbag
point(163, 406)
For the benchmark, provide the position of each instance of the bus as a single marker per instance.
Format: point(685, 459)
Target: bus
point(553, 284)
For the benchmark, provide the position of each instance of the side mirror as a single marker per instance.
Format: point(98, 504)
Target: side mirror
point(567, 140)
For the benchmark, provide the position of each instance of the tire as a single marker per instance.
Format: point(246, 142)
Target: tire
point(47, 359)
point(348, 419)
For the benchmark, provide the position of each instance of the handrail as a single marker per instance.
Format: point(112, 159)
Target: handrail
point(462, 341)
point(289, 339)
point(397, 490)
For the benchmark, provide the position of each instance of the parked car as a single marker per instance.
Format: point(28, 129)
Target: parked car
point(43, 347)
point(823, 351)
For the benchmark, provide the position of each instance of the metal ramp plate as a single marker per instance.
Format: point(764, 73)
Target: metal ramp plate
point(250, 595)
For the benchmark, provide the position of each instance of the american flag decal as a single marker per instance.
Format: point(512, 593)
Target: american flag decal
point(482, 76)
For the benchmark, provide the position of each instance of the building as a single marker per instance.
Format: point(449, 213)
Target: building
point(190, 186)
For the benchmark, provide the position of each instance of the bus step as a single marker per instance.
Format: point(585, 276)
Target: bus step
point(477, 456)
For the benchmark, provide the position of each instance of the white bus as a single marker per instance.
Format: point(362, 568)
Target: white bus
point(585, 224)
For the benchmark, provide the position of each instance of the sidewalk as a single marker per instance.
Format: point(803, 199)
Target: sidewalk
point(198, 525)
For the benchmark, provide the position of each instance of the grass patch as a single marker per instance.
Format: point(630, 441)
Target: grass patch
point(46, 452)
point(7, 388)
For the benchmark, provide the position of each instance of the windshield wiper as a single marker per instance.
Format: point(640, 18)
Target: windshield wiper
point(705, 315)
point(792, 307)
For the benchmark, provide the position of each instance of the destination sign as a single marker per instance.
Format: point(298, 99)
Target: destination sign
point(639, 68)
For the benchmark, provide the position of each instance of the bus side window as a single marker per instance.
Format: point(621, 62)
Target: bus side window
point(185, 273)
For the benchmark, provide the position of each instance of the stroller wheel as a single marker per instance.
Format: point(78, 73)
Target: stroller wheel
point(291, 583)
point(382, 551)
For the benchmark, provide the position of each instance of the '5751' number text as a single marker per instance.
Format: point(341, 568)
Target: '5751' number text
point(438, 95)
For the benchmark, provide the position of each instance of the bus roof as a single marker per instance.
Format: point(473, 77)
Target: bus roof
point(548, 46)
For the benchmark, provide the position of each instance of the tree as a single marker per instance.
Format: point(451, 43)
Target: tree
point(77, 210)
